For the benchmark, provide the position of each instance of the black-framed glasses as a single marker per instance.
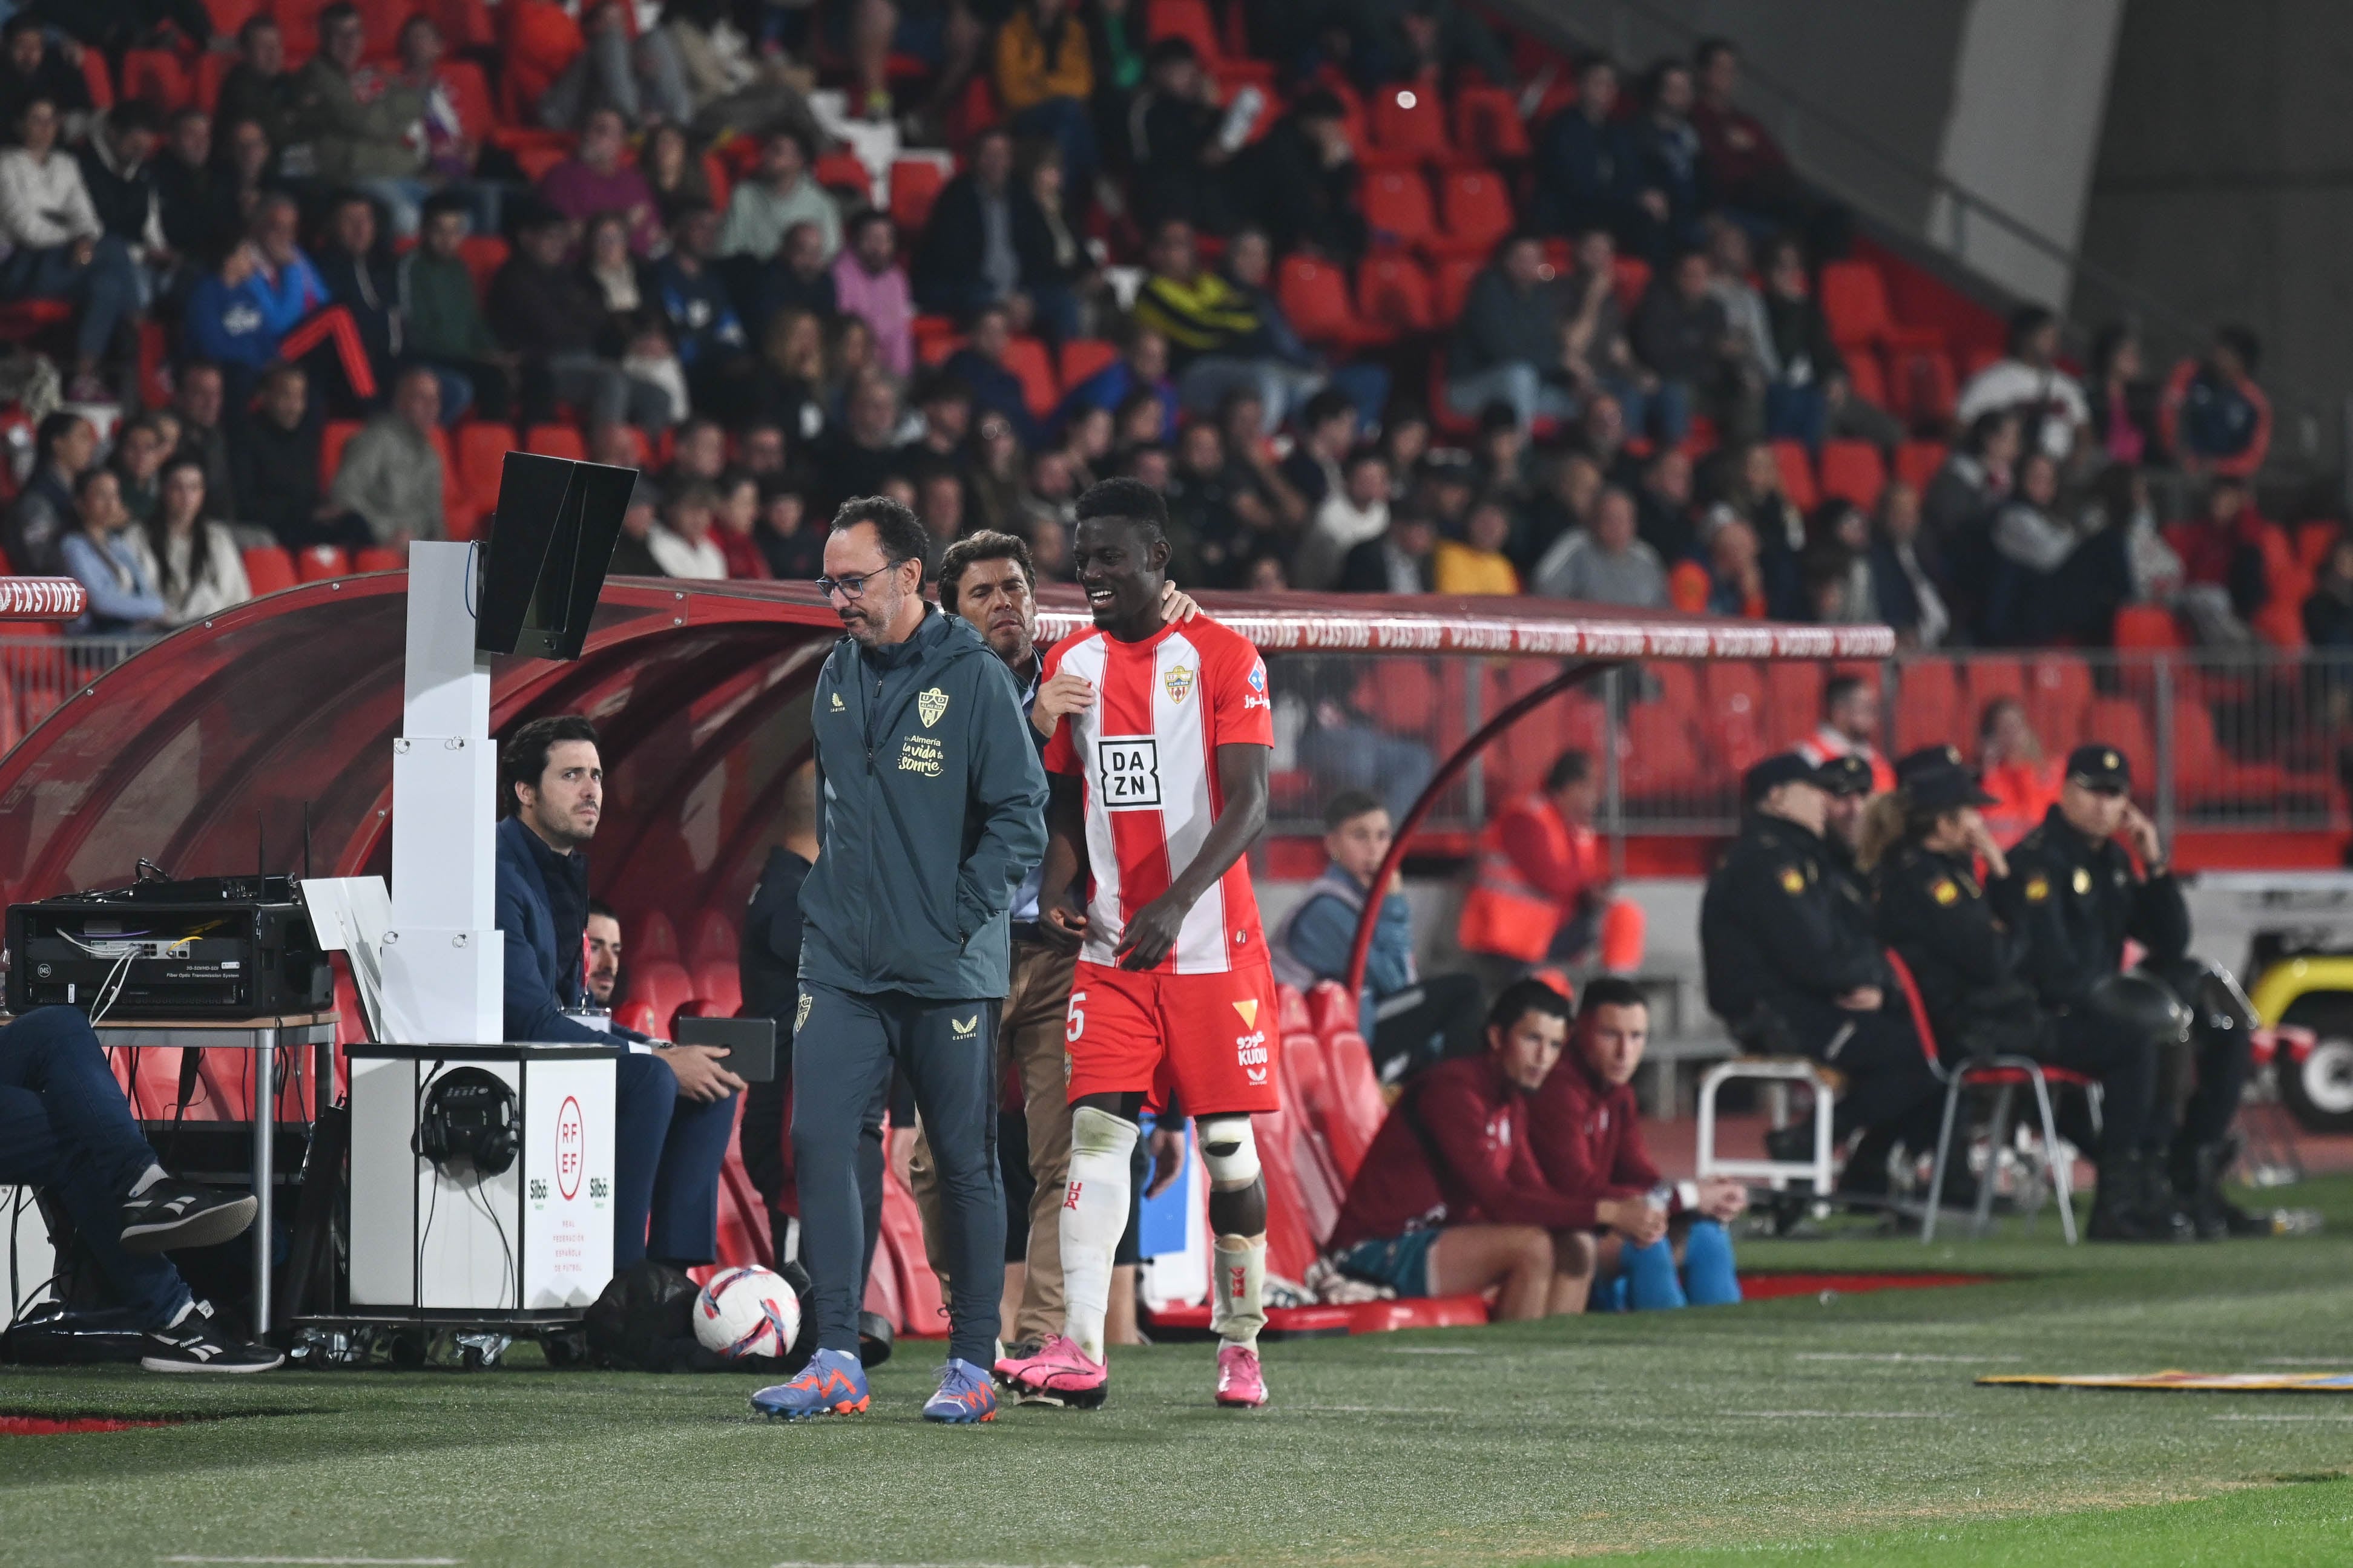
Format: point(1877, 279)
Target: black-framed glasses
point(852, 585)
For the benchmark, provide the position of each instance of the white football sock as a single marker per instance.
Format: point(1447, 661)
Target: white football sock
point(153, 1175)
point(1093, 1218)
point(1238, 1301)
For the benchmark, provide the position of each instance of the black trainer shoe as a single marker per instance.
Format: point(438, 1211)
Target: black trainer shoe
point(195, 1343)
point(171, 1214)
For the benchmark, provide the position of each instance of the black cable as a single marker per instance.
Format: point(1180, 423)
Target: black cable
point(482, 1200)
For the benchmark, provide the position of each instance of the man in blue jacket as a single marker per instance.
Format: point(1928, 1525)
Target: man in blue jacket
point(932, 808)
point(675, 1105)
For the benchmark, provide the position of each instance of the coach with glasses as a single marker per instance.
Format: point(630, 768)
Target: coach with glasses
point(931, 813)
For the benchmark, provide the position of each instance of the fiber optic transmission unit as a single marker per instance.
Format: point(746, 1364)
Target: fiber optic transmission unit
point(210, 947)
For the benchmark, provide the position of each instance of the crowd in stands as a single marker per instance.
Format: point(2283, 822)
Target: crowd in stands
point(1624, 354)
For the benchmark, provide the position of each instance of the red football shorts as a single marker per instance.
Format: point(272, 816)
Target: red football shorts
point(1210, 1037)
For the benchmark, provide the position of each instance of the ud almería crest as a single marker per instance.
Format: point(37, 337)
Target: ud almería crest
point(1179, 682)
point(930, 705)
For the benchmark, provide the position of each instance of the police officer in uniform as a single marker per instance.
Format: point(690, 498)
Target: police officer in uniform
point(1792, 967)
point(1960, 937)
point(2082, 898)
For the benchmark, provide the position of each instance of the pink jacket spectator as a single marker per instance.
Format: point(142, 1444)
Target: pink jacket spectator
point(577, 190)
point(883, 301)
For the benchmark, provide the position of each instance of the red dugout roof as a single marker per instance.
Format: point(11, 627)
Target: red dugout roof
point(198, 750)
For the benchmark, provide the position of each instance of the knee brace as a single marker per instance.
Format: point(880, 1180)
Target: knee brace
point(1229, 1152)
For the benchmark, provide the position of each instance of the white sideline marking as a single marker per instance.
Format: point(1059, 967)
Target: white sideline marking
point(1900, 1355)
point(1837, 1415)
point(2300, 1361)
point(800, 1564)
point(1428, 1350)
point(367, 1561)
point(2310, 1417)
point(1372, 1409)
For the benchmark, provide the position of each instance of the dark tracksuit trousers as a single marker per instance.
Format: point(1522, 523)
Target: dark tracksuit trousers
point(64, 1129)
point(666, 1157)
point(844, 1055)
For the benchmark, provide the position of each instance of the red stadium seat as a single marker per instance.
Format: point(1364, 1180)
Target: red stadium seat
point(317, 563)
point(1855, 471)
point(914, 185)
point(662, 982)
point(1632, 276)
point(1450, 286)
point(269, 568)
point(1867, 380)
point(483, 255)
point(380, 558)
point(94, 76)
point(1928, 711)
point(1030, 359)
point(1487, 124)
point(1916, 462)
point(336, 435)
point(157, 77)
point(1736, 701)
point(1397, 208)
point(482, 449)
point(2147, 626)
point(1475, 210)
point(211, 68)
point(1663, 756)
point(637, 1016)
point(229, 15)
point(1797, 474)
point(1409, 125)
point(1921, 387)
point(1393, 294)
point(1315, 295)
point(2058, 698)
point(843, 172)
point(1855, 301)
point(720, 982)
point(1797, 693)
point(555, 441)
point(1082, 357)
point(470, 96)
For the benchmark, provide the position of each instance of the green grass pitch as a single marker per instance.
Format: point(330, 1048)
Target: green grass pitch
point(1838, 1432)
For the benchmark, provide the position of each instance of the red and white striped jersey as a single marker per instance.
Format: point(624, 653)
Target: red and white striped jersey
point(1146, 753)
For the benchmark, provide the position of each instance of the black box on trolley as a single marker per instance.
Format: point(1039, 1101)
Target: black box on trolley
point(211, 947)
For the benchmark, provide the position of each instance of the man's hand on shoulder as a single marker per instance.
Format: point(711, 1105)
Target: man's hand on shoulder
point(700, 1076)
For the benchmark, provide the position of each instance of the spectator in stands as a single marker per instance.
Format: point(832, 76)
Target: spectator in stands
point(675, 1109)
point(64, 447)
point(1450, 1200)
point(1753, 489)
point(1572, 486)
point(1408, 1023)
point(610, 73)
point(2215, 418)
point(356, 119)
point(442, 314)
point(1402, 561)
point(1351, 514)
point(1662, 506)
point(359, 278)
point(2012, 768)
point(1809, 395)
point(546, 316)
point(1045, 77)
point(1177, 152)
point(1588, 168)
point(1509, 342)
point(710, 341)
point(980, 366)
point(2125, 426)
point(2029, 382)
point(1342, 747)
point(2226, 576)
point(267, 302)
point(1849, 728)
point(1599, 354)
point(1669, 194)
point(1142, 367)
point(451, 144)
point(259, 89)
point(2050, 581)
point(1836, 566)
point(138, 464)
point(98, 552)
point(196, 399)
point(1299, 180)
point(1542, 882)
point(246, 166)
point(2328, 611)
point(191, 190)
point(868, 283)
point(60, 248)
point(30, 69)
point(792, 372)
point(673, 173)
point(986, 241)
point(117, 171)
point(275, 464)
point(1743, 167)
point(856, 458)
point(391, 470)
point(1585, 1127)
point(799, 277)
point(1610, 564)
point(1957, 513)
point(792, 545)
point(1058, 272)
point(1682, 333)
point(685, 543)
point(595, 180)
point(193, 561)
point(1904, 588)
point(1250, 268)
point(1730, 578)
point(1216, 342)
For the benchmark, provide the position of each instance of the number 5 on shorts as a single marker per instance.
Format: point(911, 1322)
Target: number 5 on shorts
point(1076, 1024)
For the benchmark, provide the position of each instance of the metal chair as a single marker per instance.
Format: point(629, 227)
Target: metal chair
point(1777, 1071)
point(2004, 1075)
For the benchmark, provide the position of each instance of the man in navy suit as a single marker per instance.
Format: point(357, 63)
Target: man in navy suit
point(676, 1104)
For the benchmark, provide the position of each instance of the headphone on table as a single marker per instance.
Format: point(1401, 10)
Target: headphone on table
point(469, 1114)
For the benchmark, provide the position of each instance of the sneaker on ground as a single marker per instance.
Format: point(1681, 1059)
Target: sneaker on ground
point(833, 1383)
point(965, 1396)
point(194, 1342)
point(1060, 1373)
point(170, 1214)
point(1240, 1383)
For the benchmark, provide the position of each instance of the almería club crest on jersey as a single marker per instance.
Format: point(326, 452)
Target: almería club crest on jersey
point(930, 705)
point(1179, 682)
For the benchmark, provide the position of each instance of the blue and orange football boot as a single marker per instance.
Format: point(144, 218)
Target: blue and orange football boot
point(833, 1383)
point(965, 1395)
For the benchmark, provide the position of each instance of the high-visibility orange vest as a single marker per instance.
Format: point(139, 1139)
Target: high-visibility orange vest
point(1504, 912)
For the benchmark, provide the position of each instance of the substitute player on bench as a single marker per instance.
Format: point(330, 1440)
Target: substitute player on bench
point(1159, 790)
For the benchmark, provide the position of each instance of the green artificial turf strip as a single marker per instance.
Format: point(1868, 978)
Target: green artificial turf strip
point(1847, 1429)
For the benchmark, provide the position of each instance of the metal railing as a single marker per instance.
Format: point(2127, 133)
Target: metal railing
point(38, 674)
point(2236, 741)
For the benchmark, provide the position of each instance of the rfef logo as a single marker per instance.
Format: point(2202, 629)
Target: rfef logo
point(571, 1148)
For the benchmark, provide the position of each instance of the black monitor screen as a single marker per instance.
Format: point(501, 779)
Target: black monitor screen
point(551, 542)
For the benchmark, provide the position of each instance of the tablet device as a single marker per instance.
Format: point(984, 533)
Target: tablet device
point(750, 1044)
